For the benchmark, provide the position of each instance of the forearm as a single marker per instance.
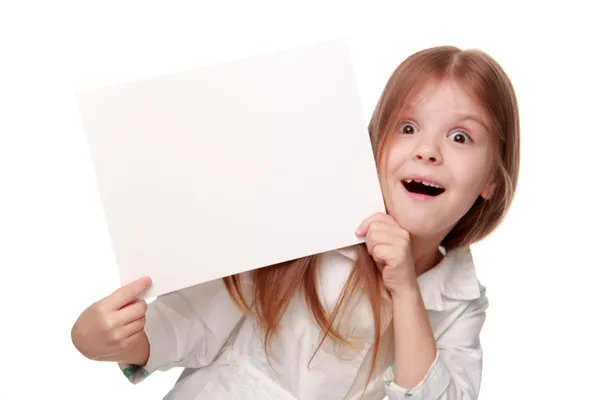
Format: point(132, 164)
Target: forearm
point(415, 347)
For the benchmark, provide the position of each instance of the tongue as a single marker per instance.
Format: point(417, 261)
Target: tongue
point(416, 187)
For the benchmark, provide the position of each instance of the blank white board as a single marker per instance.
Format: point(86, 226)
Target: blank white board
point(227, 168)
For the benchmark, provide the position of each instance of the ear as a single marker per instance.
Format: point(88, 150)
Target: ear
point(488, 190)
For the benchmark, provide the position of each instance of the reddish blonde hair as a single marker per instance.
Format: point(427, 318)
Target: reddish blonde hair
point(479, 75)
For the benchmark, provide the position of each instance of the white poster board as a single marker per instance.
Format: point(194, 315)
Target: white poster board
point(222, 169)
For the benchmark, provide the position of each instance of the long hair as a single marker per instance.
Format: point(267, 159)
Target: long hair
point(273, 287)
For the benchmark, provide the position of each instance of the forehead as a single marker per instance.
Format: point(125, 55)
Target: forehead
point(446, 98)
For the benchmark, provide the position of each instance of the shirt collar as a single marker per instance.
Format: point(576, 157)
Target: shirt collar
point(453, 278)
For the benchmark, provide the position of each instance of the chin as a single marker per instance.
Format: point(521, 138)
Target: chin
point(421, 231)
point(416, 227)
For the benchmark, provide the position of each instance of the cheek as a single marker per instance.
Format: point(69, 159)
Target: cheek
point(473, 176)
point(388, 172)
point(395, 158)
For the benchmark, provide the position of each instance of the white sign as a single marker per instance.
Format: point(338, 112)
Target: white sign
point(222, 169)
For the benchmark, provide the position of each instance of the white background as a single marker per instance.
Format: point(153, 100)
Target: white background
point(540, 267)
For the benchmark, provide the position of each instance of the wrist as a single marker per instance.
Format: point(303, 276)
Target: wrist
point(138, 354)
point(409, 287)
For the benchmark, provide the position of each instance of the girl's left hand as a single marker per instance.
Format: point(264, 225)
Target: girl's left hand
point(389, 245)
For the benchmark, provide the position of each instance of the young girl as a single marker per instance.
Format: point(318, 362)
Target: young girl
point(399, 315)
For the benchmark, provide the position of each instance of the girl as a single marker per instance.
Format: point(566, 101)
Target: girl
point(445, 134)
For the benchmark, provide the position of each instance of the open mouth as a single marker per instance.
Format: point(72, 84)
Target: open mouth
point(423, 187)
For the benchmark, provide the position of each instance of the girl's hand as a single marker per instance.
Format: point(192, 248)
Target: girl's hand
point(389, 245)
point(114, 325)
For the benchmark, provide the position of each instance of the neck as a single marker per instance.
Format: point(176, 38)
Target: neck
point(426, 254)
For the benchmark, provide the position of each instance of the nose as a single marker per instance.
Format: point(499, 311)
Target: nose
point(427, 152)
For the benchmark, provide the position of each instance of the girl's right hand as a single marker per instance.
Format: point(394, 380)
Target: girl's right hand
point(113, 328)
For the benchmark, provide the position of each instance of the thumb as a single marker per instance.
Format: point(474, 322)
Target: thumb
point(128, 293)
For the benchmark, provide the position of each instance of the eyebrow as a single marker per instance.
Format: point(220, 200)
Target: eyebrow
point(473, 118)
point(462, 117)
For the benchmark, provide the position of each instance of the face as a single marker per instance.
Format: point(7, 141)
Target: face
point(439, 160)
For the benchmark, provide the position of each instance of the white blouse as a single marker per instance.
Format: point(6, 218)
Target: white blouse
point(200, 328)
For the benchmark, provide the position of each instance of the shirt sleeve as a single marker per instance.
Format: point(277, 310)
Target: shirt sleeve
point(456, 372)
point(186, 328)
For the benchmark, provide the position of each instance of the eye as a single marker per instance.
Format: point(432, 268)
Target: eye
point(460, 137)
point(408, 128)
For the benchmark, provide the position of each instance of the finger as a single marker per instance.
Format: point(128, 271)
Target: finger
point(383, 254)
point(364, 226)
point(378, 256)
point(395, 234)
point(375, 237)
point(124, 344)
point(380, 219)
point(133, 339)
point(128, 293)
point(383, 232)
point(133, 327)
point(131, 312)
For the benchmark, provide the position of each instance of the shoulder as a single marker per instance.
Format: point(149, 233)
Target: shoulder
point(453, 281)
point(335, 267)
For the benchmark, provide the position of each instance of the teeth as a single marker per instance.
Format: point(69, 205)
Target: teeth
point(424, 183)
point(431, 184)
